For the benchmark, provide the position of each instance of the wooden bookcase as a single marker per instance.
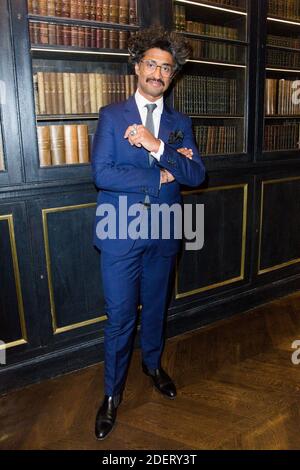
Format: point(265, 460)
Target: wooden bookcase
point(213, 90)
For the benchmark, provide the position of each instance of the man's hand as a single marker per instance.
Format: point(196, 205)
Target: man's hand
point(142, 138)
point(166, 177)
point(186, 152)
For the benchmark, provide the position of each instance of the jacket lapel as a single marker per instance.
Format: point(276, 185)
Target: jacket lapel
point(167, 122)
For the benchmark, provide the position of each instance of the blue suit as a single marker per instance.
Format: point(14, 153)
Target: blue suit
point(137, 271)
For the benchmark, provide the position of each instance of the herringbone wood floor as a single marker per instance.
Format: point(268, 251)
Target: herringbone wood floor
point(237, 389)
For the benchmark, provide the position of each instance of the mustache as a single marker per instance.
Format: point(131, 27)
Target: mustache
point(154, 79)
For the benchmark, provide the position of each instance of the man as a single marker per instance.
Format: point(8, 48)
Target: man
point(142, 151)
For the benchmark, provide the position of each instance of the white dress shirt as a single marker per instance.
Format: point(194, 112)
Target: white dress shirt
point(141, 101)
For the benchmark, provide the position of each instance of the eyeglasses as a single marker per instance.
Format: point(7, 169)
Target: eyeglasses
point(151, 66)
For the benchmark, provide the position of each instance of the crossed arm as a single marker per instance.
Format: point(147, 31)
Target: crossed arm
point(108, 175)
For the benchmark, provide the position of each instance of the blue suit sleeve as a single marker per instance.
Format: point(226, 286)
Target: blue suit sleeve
point(185, 171)
point(116, 177)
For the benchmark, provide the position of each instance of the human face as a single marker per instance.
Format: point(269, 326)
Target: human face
point(152, 85)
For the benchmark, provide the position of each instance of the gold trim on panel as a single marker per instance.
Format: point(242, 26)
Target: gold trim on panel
point(243, 251)
point(14, 254)
point(63, 329)
point(286, 263)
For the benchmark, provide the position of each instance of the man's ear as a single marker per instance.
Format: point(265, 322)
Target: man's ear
point(137, 69)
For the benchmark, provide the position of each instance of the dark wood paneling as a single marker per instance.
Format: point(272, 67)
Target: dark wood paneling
point(69, 288)
point(18, 324)
point(279, 225)
point(73, 264)
point(11, 312)
point(222, 259)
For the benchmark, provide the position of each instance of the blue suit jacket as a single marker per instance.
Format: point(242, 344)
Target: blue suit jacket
point(120, 169)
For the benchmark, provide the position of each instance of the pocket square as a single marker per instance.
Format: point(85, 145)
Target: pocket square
point(176, 136)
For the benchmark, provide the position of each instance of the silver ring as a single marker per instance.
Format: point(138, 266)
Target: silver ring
point(134, 130)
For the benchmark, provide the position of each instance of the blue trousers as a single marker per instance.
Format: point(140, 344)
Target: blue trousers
point(139, 276)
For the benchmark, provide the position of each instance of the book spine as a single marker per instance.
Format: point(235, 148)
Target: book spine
point(123, 12)
point(99, 90)
point(35, 7)
point(132, 12)
point(51, 10)
point(34, 33)
point(71, 144)
point(87, 9)
point(44, 146)
point(58, 8)
point(99, 10)
point(52, 34)
point(79, 90)
point(83, 143)
point(60, 93)
point(74, 36)
point(42, 7)
point(73, 88)
point(53, 92)
point(41, 93)
point(67, 93)
point(93, 94)
point(57, 143)
point(29, 7)
point(74, 9)
point(113, 11)
point(66, 8)
point(86, 93)
point(48, 101)
point(113, 39)
point(105, 11)
point(123, 39)
point(80, 9)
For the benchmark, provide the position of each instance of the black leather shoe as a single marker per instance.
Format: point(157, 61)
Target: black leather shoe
point(106, 416)
point(162, 382)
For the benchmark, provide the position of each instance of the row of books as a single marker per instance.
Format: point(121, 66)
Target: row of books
point(198, 95)
point(289, 9)
point(281, 97)
point(108, 11)
point(79, 93)
point(181, 24)
point(283, 59)
point(221, 52)
point(2, 167)
point(216, 140)
point(77, 36)
point(283, 41)
point(63, 145)
point(282, 136)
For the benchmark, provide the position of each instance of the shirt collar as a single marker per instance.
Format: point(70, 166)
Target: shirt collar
point(141, 101)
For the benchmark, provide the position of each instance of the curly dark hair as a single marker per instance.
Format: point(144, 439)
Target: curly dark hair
point(156, 36)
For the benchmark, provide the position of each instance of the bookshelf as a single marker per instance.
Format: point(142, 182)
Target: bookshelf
point(78, 56)
point(52, 313)
point(281, 104)
point(213, 91)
